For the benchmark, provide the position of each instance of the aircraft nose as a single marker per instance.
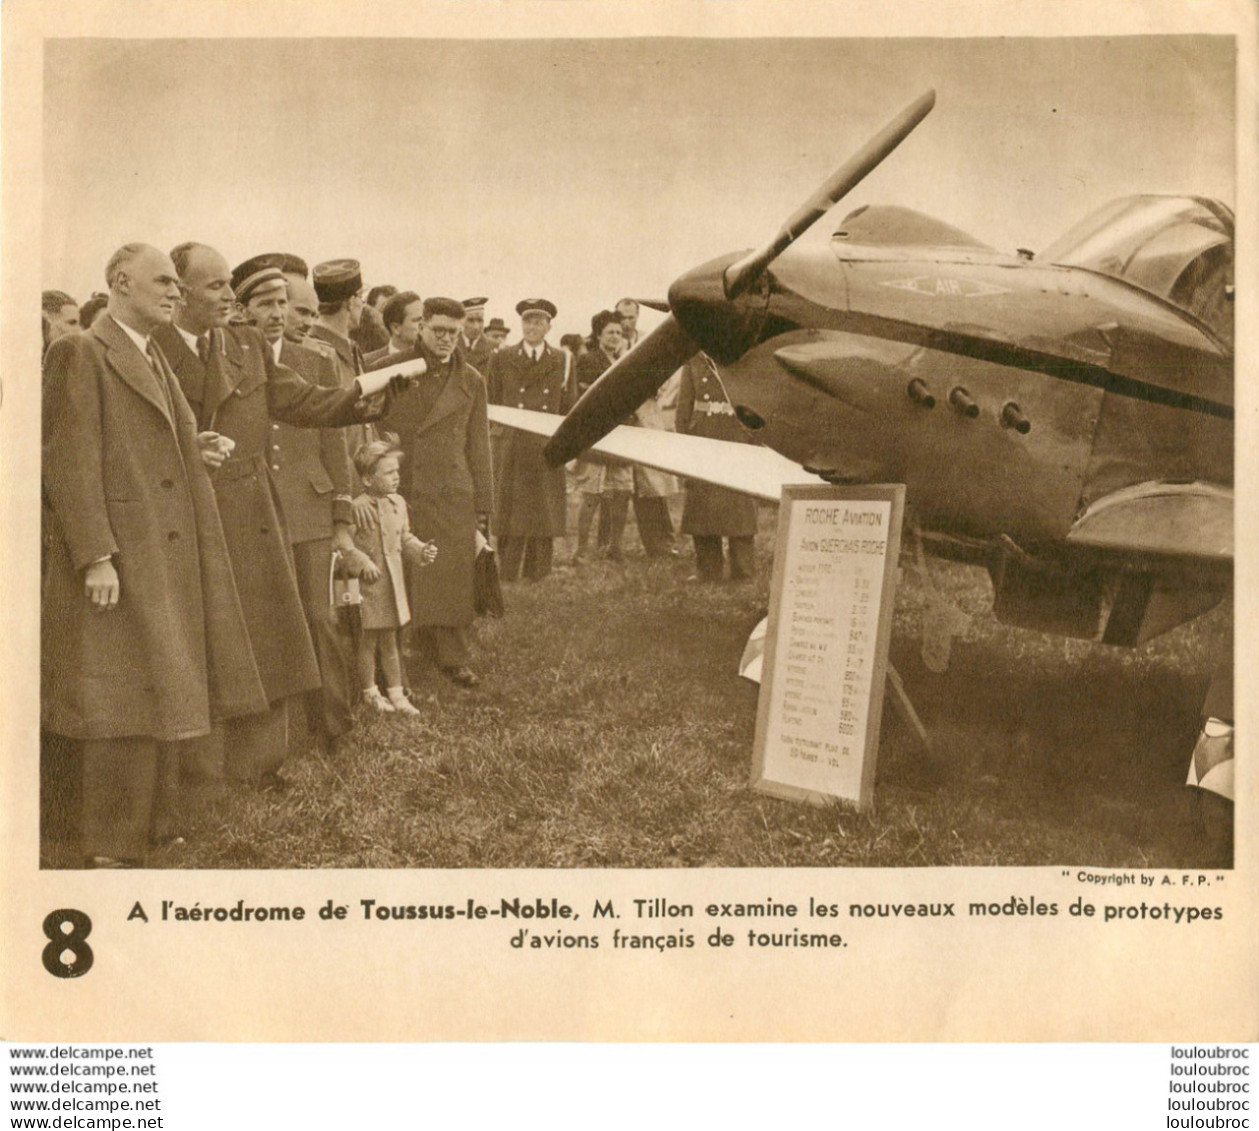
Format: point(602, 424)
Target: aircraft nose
point(724, 328)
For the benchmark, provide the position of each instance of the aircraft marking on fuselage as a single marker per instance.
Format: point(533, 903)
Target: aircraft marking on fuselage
point(942, 286)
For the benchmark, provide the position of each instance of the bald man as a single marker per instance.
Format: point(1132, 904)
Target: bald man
point(235, 386)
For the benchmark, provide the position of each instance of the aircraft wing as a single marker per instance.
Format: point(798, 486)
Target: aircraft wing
point(1182, 520)
point(746, 468)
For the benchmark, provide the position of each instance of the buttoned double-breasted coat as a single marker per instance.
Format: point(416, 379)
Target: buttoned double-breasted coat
point(528, 492)
point(705, 410)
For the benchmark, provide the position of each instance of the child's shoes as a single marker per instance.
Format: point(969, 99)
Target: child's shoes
point(372, 698)
point(400, 703)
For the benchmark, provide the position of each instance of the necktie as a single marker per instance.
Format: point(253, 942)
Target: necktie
point(203, 348)
point(159, 374)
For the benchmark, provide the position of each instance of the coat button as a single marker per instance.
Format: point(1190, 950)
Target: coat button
point(168, 483)
point(275, 467)
point(237, 393)
point(173, 536)
point(264, 530)
point(275, 428)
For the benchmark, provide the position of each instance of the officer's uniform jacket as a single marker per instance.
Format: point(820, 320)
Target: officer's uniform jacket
point(705, 410)
point(311, 468)
point(528, 492)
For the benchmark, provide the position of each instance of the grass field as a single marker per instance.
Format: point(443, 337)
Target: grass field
point(611, 730)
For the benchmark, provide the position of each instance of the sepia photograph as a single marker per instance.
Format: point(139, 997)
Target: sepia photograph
point(562, 522)
point(420, 415)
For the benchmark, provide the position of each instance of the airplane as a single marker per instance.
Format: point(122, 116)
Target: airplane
point(1064, 419)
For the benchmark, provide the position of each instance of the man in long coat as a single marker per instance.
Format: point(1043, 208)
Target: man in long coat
point(143, 638)
point(443, 432)
point(235, 387)
point(712, 513)
point(312, 475)
point(530, 505)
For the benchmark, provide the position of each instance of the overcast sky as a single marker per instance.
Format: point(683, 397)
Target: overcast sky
point(584, 170)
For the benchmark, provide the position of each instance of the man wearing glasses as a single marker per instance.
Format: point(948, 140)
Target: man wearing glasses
point(443, 432)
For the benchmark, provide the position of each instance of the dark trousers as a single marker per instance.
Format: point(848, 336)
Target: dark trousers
point(534, 554)
point(328, 708)
point(655, 527)
point(130, 794)
point(255, 745)
point(613, 515)
point(444, 645)
point(710, 564)
point(242, 749)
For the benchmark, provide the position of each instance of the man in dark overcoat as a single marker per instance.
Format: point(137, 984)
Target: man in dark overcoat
point(235, 387)
point(312, 474)
point(443, 431)
point(529, 495)
point(712, 513)
point(143, 638)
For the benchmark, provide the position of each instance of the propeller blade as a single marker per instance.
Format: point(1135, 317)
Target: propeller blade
point(630, 381)
point(654, 304)
point(742, 275)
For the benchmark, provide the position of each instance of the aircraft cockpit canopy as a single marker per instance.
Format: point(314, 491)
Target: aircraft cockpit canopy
point(1177, 247)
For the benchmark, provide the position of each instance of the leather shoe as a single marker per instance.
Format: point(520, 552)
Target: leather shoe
point(170, 840)
point(464, 677)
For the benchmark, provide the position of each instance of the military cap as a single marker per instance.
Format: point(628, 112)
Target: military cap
point(496, 324)
point(601, 320)
point(337, 280)
point(540, 305)
point(475, 303)
point(294, 265)
point(262, 272)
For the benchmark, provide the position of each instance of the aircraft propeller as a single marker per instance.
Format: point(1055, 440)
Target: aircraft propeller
point(709, 307)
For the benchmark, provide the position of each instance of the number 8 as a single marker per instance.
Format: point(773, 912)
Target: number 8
point(71, 940)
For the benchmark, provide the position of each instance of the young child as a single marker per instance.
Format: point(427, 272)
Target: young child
point(387, 543)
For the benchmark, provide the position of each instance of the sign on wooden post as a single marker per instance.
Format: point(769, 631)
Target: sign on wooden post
point(830, 622)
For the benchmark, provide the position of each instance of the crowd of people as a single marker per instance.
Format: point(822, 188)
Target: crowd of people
point(230, 452)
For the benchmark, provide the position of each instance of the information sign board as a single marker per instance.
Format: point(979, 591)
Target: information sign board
point(830, 621)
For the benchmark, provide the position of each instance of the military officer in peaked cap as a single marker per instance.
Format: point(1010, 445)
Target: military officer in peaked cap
point(312, 474)
point(529, 494)
point(235, 387)
point(475, 345)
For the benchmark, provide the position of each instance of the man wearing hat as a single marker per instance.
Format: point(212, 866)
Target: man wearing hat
point(475, 345)
point(235, 387)
point(402, 316)
point(443, 432)
point(496, 333)
point(528, 493)
point(311, 471)
point(339, 290)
